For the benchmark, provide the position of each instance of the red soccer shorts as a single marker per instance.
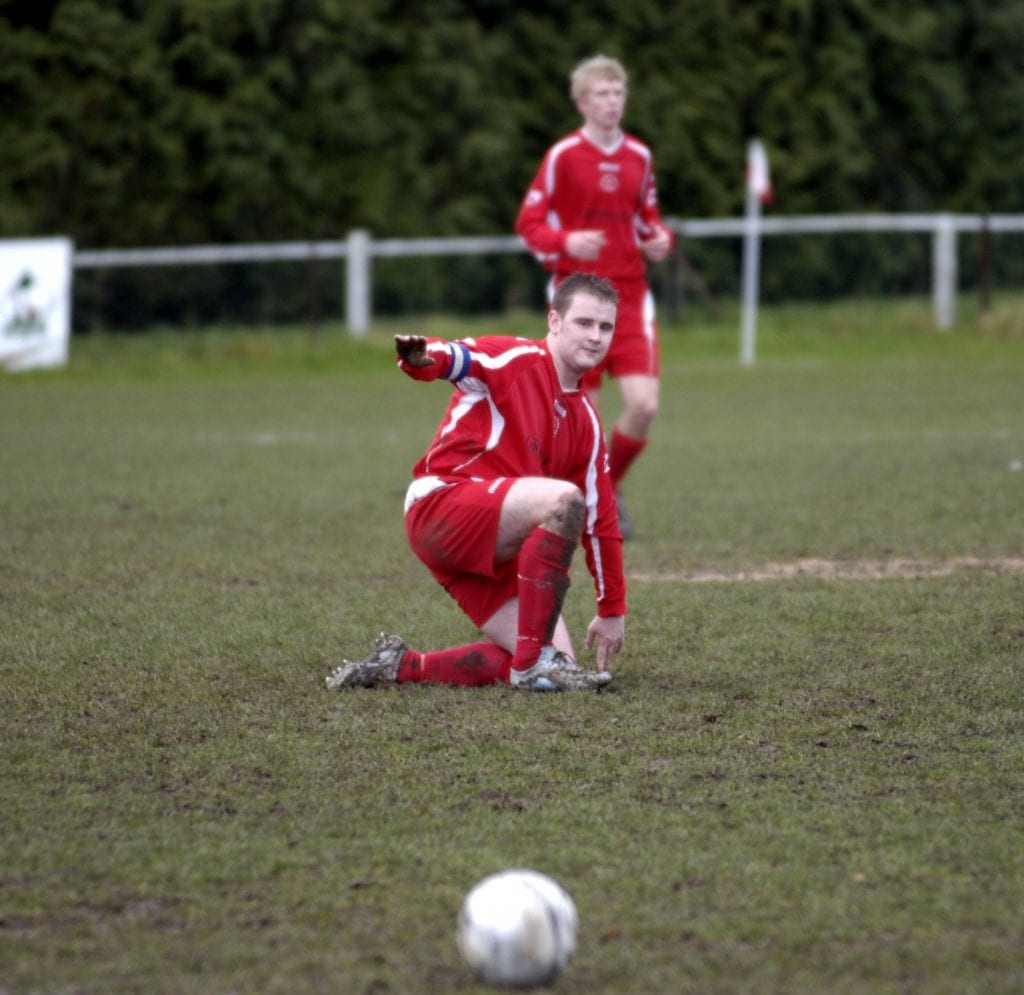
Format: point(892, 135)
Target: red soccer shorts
point(453, 531)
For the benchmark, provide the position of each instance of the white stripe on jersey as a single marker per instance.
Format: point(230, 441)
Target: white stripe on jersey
point(592, 467)
point(640, 149)
point(554, 220)
point(497, 425)
point(465, 405)
point(503, 359)
point(590, 497)
point(595, 550)
point(556, 150)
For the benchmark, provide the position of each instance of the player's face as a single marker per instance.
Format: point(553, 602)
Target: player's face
point(604, 103)
point(579, 340)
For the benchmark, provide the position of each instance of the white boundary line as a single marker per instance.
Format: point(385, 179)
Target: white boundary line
point(819, 569)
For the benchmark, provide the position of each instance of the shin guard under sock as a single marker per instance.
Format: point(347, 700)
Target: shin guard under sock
point(544, 561)
point(622, 451)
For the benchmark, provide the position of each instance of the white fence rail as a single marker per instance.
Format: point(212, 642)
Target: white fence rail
point(359, 250)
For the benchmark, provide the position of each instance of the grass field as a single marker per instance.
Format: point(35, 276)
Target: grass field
point(807, 776)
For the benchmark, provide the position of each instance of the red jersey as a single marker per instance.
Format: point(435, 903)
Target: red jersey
point(581, 186)
point(510, 417)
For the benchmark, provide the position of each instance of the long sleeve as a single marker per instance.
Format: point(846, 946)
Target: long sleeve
point(534, 223)
point(451, 359)
point(605, 563)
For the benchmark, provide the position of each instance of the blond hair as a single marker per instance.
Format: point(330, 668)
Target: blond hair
point(595, 68)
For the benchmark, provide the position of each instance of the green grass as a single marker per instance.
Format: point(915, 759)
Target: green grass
point(799, 785)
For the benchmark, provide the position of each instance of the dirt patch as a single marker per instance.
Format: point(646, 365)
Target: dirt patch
point(819, 569)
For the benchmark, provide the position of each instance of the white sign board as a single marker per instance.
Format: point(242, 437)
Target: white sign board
point(35, 302)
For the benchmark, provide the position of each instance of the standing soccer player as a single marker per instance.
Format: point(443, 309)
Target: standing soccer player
point(593, 207)
point(514, 479)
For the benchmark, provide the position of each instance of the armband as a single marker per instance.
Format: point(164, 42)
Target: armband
point(460, 362)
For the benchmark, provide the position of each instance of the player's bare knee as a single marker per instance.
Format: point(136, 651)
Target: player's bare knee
point(567, 513)
point(646, 411)
point(638, 416)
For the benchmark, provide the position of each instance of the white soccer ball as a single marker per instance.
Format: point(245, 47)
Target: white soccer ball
point(517, 928)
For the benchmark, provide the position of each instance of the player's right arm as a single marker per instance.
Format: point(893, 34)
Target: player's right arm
point(541, 217)
point(656, 239)
point(548, 243)
point(533, 226)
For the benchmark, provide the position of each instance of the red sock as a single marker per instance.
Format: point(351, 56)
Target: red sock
point(544, 561)
point(473, 665)
point(621, 453)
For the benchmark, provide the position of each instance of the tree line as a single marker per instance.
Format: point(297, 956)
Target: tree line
point(161, 122)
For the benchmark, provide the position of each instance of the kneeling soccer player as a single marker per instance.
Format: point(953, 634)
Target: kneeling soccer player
point(514, 479)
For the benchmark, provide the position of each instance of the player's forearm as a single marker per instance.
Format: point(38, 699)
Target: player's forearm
point(606, 565)
point(539, 237)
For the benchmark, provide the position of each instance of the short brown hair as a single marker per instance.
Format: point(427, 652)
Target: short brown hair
point(583, 283)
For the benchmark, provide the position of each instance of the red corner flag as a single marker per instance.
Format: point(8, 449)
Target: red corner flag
point(759, 182)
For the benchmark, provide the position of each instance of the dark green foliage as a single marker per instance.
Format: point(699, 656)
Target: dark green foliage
point(172, 122)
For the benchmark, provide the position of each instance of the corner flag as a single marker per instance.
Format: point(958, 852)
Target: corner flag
point(759, 181)
point(758, 192)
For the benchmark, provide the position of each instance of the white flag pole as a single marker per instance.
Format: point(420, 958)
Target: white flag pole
point(751, 278)
point(758, 189)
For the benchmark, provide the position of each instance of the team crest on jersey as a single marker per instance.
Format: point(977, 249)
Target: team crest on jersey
point(609, 181)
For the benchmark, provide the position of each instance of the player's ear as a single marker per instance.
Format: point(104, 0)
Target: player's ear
point(554, 321)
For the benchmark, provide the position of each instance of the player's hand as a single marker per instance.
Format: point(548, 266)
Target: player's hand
point(586, 243)
point(413, 350)
point(658, 246)
point(606, 636)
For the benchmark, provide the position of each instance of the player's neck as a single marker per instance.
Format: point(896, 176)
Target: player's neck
point(568, 380)
point(606, 139)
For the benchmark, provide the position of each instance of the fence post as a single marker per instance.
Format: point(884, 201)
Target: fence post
point(944, 271)
point(357, 281)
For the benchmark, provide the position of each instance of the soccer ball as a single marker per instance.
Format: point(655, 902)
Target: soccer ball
point(517, 928)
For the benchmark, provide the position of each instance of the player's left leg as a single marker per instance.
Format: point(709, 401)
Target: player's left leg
point(634, 361)
point(640, 398)
point(483, 541)
point(393, 662)
point(452, 529)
